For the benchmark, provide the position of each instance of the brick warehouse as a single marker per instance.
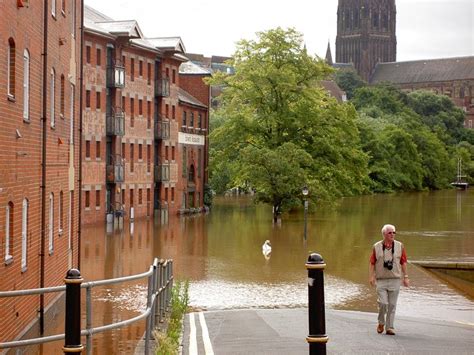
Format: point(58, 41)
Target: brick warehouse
point(134, 161)
point(39, 156)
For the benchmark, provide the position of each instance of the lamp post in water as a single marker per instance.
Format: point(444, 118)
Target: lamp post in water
point(305, 192)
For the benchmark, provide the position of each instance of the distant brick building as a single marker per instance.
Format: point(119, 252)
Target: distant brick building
point(453, 77)
point(133, 157)
point(39, 154)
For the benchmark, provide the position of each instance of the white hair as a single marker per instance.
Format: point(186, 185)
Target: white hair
point(387, 226)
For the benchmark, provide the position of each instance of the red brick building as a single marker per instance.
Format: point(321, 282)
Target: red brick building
point(39, 156)
point(119, 105)
point(181, 148)
point(134, 163)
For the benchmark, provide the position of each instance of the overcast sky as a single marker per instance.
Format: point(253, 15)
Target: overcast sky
point(425, 28)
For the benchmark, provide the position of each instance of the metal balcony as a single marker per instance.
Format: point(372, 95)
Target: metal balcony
point(115, 125)
point(162, 172)
point(162, 130)
point(115, 170)
point(116, 75)
point(162, 87)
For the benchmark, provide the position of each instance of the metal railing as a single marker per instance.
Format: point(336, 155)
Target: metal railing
point(160, 283)
point(115, 122)
point(162, 172)
point(162, 87)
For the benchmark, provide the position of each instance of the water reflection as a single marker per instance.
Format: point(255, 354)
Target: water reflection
point(221, 254)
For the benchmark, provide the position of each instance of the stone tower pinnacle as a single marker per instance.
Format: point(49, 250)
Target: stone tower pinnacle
point(366, 34)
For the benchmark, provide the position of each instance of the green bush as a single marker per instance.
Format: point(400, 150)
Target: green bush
point(168, 341)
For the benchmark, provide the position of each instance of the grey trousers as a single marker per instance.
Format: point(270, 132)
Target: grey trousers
point(387, 295)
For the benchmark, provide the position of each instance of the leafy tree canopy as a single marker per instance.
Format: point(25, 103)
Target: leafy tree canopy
point(281, 129)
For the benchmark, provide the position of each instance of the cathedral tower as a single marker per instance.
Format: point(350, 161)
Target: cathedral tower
point(366, 34)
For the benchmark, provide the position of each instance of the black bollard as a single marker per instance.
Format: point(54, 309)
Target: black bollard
point(317, 337)
point(72, 341)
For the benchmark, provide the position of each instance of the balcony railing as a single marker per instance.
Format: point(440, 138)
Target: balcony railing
point(162, 130)
point(116, 122)
point(116, 75)
point(162, 87)
point(115, 172)
point(162, 172)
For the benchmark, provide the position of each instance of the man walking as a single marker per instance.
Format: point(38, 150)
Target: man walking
point(388, 264)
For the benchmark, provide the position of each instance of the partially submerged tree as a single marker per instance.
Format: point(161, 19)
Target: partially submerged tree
point(281, 129)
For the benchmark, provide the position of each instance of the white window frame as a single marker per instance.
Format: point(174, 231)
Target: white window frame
point(53, 8)
point(60, 213)
point(8, 256)
point(73, 19)
point(71, 114)
point(69, 245)
point(26, 85)
point(52, 99)
point(24, 234)
point(51, 224)
point(8, 70)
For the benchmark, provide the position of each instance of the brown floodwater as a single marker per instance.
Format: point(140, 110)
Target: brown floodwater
point(220, 253)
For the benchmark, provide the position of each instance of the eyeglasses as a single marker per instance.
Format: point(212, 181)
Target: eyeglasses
point(392, 232)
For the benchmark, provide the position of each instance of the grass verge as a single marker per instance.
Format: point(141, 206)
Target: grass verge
point(168, 339)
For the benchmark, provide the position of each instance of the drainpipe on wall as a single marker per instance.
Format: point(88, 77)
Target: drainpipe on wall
point(81, 79)
point(43, 162)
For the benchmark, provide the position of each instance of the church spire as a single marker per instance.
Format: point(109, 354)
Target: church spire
point(328, 54)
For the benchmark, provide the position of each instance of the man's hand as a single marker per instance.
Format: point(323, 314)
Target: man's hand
point(372, 280)
point(406, 282)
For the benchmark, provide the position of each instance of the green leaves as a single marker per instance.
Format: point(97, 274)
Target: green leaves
point(281, 129)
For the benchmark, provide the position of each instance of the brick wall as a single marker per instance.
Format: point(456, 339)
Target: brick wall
point(21, 156)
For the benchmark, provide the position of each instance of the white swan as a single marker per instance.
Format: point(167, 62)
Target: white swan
point(266, 248)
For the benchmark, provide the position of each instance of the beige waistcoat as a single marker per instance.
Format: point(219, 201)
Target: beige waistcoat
point(381, 256)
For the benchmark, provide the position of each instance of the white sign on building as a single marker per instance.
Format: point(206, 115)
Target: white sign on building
point(187, 138)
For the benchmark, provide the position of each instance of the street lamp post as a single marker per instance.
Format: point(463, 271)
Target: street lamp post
point(305, 192)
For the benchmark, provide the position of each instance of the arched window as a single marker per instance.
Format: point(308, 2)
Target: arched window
point(24, 234)
point(26, 85)
point(60, 212)
point(11, 68)
point(61, 98)
point(9, 233)
point(51, 223)
point(191, 173)
point(52, 93)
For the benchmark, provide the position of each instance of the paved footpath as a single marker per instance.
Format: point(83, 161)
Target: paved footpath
point(284, 331)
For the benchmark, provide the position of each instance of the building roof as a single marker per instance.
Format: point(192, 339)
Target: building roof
point(174, 44)
point(187, 98)
point(191, 68)
point(334, 90)
point(95, 21)
point(98, 22)
point(422, 71)
point(343, 66)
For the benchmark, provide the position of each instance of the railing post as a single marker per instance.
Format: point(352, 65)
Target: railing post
point(162, 294)
point(72, 342)
point(89, 319)
point(317, 337)
point(149, 318)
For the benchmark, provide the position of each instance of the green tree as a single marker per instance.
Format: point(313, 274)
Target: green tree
point(281, 130)
point(440, 114)
point(348, 80)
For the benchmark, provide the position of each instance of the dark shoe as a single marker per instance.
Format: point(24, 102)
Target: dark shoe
point(390, 332)
point(380, 329)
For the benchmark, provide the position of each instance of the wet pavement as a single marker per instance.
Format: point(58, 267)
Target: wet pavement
point(284, 331)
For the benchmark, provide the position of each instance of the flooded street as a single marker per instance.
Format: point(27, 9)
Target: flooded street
point(221, 255)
